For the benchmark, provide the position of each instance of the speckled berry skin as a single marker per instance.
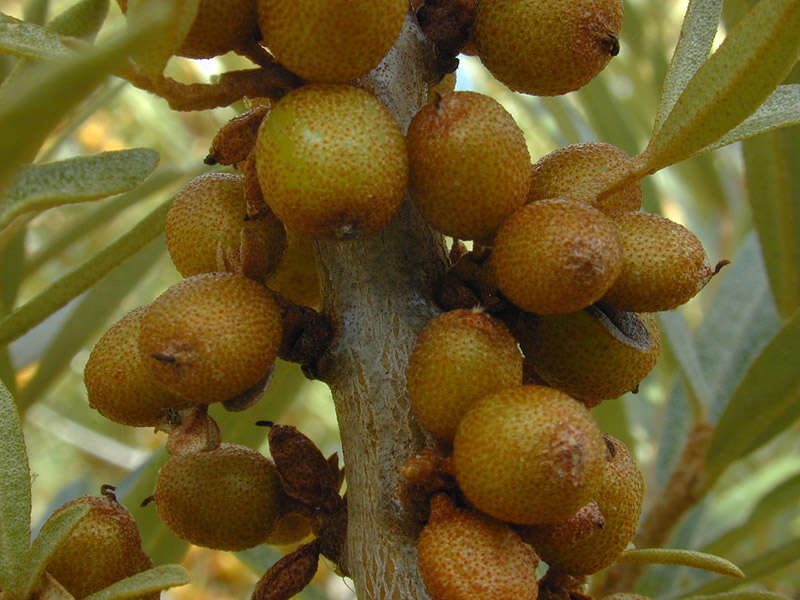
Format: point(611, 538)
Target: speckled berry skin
point(546, 48)
point(459, 356)
point(664, 264)
point(556, 256)
point(580, 171)
point(465, 555)
point(204, 227)
point(620, 501)
point(210, 337)
point(331, 41)
point(578, 354)
point(528, 454)
point(219, 27)
point(227, 499)
point(469, 164)
point(103, 548)
point(332, 161)
point(118, 382)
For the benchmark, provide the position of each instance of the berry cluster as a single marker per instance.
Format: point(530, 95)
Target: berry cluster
point(561, 265)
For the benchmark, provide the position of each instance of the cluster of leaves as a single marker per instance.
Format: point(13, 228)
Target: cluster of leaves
point(735, 367)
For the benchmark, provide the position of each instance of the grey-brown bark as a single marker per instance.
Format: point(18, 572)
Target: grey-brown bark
point(378, 293)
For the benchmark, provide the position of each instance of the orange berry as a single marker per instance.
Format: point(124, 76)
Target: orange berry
point(528, 454)
point(459, 356)
point(547, 48)
point(330, 41)
point(211, 337)
point(205, 228)
point(464, 555)
point(470, 166)
point(619, 498)
point(664, 264)
point(118, 381)
point(556, 256)
point(580, 171)
point(103, 548)
point(332, 162)
point(230, 498)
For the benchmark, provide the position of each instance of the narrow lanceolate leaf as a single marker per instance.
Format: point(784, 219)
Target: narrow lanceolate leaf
point(781, 109)
point(35, 105)
point(154, 56)
point(780, 499)
point(772, 163)
point(754, 58)
point(684, 558)
point(89, 316)
point(766, 402)
point(78, 179)
point(763, 566)
point(677, 335)
point(15, 497)
point(741, 323)
point(79, 280)
point(29, 40)
point(81, 20)
point(54, 531)
point(694, 45)
point(146, 582)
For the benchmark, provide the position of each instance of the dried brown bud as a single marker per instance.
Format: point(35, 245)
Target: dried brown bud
point(304, 470)
point(237, 137)
point(289, 575)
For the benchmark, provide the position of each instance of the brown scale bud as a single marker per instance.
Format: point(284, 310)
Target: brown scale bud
point(306, 474)
point(198, 432)
point(237, 137)
point(289, 575)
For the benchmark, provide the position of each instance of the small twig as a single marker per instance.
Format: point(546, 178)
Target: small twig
point(272, 82)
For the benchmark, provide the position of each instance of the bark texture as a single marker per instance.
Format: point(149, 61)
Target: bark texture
point(378, 292)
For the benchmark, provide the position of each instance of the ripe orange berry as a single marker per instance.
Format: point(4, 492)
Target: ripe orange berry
point(103, 548)
point(546, 48)
point(464, 555)
point(330, 41)
point(580, 171)
point(118, 381)
point(332, 162)
point(459, 356)
point(556, 256)
point(528, 454)
point(470, 166)
point(211, 337)
point(592, 355)
point(205, 228)
point(230, 498)
point(620, 501)
point(664, 264)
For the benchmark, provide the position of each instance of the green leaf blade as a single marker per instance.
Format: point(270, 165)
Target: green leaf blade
point(766, 402)
point(81, 20)
point(685, 558)
point(699, 27)
point(81, 278)
point(28, 40)
point(28, 112)
point(54, 531)
point(15, 497)
point(79, 179)
point(146, 582)
point(754, 59)
point(773, 186)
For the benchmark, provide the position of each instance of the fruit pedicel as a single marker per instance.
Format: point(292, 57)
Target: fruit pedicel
point(547, 316)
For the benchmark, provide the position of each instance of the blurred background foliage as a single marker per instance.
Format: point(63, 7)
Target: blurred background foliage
point(743, 202)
